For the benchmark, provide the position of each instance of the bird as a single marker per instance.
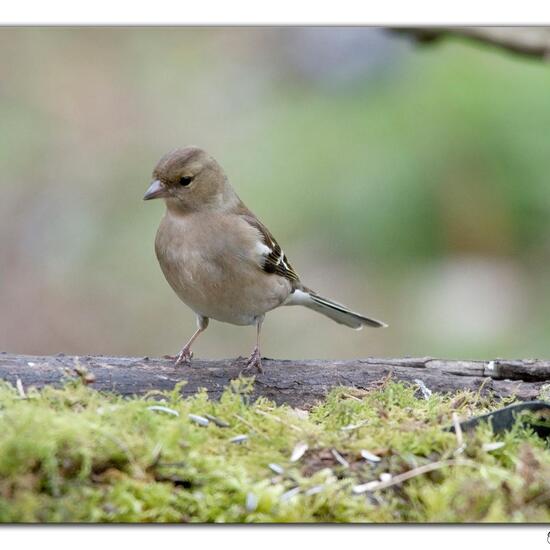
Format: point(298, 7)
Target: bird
point(219, 258)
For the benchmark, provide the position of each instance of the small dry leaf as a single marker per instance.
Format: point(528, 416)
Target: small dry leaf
point(367, 455)
point(85, 375)
point(200, 420)
point(251, 502)
point(298, 451)
point(426, 392)
point(289, 494)
point(369, 486)
point(166, 410)
point(314, 490)
point(239, 439)
point(488, 447)
point(218, 421)
point(276, 468)
point(300, 413)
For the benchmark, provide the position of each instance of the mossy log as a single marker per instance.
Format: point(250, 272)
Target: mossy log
point(296, 382)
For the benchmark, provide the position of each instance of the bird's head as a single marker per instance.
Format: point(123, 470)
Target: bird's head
point(189, 179)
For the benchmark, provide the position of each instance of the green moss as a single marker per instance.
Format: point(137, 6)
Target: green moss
point(73, 454)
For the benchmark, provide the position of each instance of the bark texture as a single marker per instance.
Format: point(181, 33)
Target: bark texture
point(295, 382)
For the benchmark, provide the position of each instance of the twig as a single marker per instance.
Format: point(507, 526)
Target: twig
point(251, 426)
point(460, 446)
point(426, 468)
point(277, 419)
point(20, 389)
point(528, 41)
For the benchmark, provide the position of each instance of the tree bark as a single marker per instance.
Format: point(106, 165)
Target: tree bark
point(528, 41)
point(295, 382)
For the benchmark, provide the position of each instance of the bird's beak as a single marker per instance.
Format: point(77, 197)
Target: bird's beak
point(155, 191)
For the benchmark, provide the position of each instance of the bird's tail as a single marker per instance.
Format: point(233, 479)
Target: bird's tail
point(337, 312)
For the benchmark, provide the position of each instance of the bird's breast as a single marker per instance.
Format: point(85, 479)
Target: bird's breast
point(214, 271)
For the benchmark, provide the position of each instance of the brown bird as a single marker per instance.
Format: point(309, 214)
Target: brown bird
point(219, 258)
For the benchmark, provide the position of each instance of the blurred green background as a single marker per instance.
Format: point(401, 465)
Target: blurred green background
point(408, 182)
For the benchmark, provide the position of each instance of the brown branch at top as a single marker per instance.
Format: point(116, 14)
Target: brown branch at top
point(528, 41)
point(296, 382)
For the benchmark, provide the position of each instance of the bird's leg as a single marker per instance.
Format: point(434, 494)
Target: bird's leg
point(255, 359)
point(186, 354)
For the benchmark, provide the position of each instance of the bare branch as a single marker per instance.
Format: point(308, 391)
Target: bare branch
point(528, 41)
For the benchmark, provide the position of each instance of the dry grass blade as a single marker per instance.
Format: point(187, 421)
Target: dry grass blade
point(251, 426)
point(277, 419)
point(350, 427)
point(339, 458)
point(20, 389)
point(315, 490)
point(460, 445)
point(426, 468)
point(488, 447)
point(350, 396)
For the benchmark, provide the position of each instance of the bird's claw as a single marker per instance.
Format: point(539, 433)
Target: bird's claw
point(254, 361)
point(184, 357)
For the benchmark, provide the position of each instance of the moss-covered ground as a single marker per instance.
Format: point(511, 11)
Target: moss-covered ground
point(76, 455)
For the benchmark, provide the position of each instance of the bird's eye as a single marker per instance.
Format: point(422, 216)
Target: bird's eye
point(186, 180)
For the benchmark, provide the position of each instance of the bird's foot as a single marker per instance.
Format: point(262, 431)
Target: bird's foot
point(254, 361)
point(184, 357)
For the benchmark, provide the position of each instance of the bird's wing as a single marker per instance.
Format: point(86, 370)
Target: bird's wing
point(274, 259)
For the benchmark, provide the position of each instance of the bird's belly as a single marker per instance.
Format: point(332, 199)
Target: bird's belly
point(226, 291)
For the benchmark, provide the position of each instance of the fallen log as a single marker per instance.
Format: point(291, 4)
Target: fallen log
point(299, 383)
